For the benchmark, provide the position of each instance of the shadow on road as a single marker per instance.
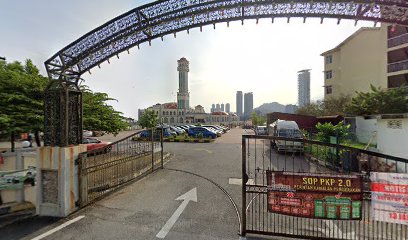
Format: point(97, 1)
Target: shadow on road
point(25, 227)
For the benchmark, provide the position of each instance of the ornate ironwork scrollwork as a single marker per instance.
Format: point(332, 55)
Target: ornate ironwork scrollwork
point(159, 18)
point(163, 17)
point(62, 114)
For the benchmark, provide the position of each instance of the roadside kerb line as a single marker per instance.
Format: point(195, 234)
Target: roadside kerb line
point(46, 234)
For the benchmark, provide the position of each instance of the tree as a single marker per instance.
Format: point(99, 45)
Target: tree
point(148, 119)
point(336, 105)
point(312, 109)
point(380, 101)
point(98, 115)
point(21, 99)
point(257, 119)
point(327, 107)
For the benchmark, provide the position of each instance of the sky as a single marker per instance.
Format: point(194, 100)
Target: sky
point(262, 58)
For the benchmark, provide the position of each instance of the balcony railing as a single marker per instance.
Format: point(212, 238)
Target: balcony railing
point(399, 40)
point(398, 66)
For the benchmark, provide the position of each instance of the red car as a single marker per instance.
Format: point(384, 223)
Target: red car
point(93, 143)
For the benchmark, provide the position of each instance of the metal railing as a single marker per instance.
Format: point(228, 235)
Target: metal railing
point(398, 40)
point(260, 158)
point(398, 66)
point(105, 169)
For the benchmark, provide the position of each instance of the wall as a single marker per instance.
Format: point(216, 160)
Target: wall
point(57, 176)
point(365, 129)
point(392, 138)
point(12, 161)
point(359, 61)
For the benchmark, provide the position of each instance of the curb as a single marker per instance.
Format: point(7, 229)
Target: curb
point(15, 207)
point(15, 212)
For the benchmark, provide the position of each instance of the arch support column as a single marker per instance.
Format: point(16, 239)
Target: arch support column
point(62, 114)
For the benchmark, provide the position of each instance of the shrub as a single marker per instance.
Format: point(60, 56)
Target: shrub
point(327, 130)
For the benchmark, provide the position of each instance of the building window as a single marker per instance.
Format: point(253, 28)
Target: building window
point(329, 59)
point(328, 74)
point(329, 89)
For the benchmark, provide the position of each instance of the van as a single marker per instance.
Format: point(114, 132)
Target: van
point(261, 130)
point(287, 129)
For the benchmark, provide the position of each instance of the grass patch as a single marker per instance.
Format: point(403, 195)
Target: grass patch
point(357, 145)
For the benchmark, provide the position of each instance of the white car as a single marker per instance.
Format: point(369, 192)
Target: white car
point(261, 130)
point(87, 133)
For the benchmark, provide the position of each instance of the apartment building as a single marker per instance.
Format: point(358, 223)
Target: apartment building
point(397, 56)
point(304, 87)
point(357, 62)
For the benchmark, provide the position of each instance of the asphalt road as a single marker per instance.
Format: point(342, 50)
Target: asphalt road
point(140, 210)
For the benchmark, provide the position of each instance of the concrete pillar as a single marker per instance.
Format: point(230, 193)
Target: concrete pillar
point(57, 178)
point(19, 166)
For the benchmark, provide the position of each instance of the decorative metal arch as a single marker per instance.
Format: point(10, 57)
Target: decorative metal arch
point(163, 17)
point(63, 104)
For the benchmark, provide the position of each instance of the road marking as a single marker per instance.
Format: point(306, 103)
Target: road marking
point(238, 181)
point(202, 149)
point(46, 234)
point(187, 197)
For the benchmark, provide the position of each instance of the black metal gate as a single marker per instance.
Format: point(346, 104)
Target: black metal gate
point(261, 159)
point(105, 169)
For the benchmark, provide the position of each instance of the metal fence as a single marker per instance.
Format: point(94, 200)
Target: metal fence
point(105, 169)
point(260, 157)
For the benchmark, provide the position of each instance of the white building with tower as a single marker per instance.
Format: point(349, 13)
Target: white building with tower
point(180, 112)
point(183, 96)
point(304, 87)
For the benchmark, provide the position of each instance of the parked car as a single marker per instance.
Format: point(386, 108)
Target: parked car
point(87, 133)
point(261, 130)
point(185, 127)
point(216, 127)
point(207, 133)
point(93, 143)
point(287, 129)
point(177, 130)
point(166, 133)
point(215, 130)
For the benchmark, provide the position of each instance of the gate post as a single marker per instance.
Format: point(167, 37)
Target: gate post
point(244, 181)
point(57, 173)
point(58, 180)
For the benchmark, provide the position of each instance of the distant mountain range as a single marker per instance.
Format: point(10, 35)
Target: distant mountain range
point(274, 107)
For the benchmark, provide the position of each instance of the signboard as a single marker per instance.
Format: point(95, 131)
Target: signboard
point(389, 197)
point(311, 195)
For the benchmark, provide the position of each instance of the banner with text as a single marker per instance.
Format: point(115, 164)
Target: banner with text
point(389, 197)
point(311, 195)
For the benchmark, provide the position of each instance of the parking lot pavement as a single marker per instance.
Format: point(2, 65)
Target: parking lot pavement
point(142, 210)
point(192, 198)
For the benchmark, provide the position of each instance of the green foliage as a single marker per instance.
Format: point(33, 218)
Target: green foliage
point(325, 154)
point(148, 119)
point(21, 97)
point(326, 130)
point(257, 120)
point(380, 101)
point(98, 115)
point(327, 107)
point(312, 109)
point(22, 102)
point(200, 135)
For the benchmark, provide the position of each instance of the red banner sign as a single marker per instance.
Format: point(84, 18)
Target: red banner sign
point(325, 196)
